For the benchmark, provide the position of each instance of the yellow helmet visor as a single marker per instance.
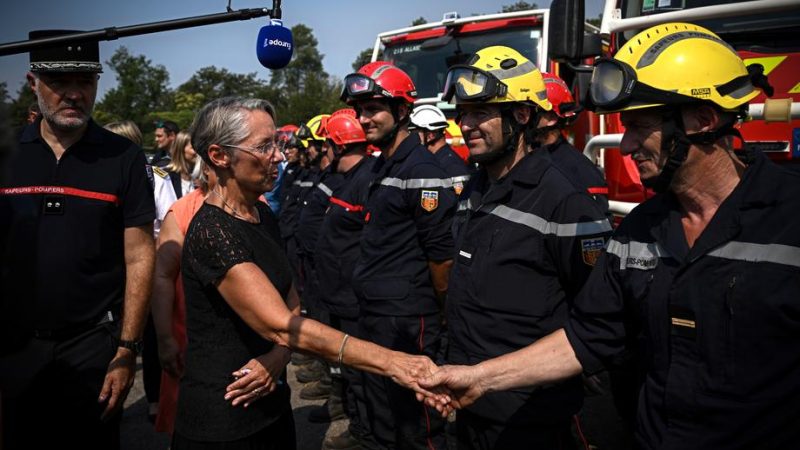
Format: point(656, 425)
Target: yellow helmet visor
point(469, 84)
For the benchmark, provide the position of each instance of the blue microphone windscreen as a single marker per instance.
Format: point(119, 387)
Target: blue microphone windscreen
point(275, 45)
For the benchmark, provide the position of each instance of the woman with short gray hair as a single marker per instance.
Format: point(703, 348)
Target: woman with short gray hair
point(240, 302)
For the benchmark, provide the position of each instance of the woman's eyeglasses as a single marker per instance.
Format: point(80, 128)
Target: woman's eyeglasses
point(267, 148)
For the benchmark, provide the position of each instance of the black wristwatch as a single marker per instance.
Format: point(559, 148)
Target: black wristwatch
point(134, 346)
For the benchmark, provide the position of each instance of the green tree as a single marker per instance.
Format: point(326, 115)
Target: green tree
point(3, 93)
point(418, 21)
point(141, 88)
point(306, 61)
point(596, 20)
point(519, 6)
point(186, 106)
point(213, 83)
point(18, 108)
point(303, 89)
point(363, 58)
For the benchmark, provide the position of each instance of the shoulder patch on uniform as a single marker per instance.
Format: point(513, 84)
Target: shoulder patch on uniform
point(591, 250)
point(429, 200)
point(160, 172)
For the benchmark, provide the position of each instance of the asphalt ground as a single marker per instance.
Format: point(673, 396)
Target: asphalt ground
point(599, 421)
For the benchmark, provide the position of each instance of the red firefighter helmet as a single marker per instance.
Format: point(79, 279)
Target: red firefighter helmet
point(560, 96)
point(286, 132)
point(378, 79)
point(343, 128)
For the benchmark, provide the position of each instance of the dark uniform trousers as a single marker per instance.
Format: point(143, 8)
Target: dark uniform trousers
point(309, 224)
point(409, 218)
point(717, 325)
point(525, 245)
point(39, 413)
point(396, 418)
point(354, 399)
point(287, 219)
point(334, 257)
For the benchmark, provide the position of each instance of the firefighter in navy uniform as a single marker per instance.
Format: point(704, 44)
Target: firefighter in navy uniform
point(293, 167)
point(582, 172)
point(290, 203)
point(526, 240)
point(336, 255)
point(314, 195)
point(704, 276)
point(406, 250)
point(76, 217)
point(430, 122)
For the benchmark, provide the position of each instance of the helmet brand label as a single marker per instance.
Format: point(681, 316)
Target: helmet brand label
point(701, 92)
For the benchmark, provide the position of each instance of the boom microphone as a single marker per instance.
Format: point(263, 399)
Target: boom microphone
point(275, 45)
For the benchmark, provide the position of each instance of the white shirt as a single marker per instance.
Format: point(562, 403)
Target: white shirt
point(164, 195)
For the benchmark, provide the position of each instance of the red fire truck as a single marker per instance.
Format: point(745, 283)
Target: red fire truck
point(426, 51)
point(559, 41)
point(761, 31)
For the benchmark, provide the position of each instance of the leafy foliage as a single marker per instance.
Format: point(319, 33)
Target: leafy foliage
point(211, 82)
point(303, 89)
point(519, 6)
point(18, 108)
point(419, 21)
point(364, 57)
point(141, 88)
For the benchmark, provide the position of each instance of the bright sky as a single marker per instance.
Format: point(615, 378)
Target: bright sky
point(342, 27)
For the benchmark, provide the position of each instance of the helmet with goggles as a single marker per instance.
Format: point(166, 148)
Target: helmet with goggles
point(496, 74)
point(310, 132)
point(378, 79)
point(559, 95)
point(674, 64)
point(428, 117)
point(343, 128)
point(285, 133)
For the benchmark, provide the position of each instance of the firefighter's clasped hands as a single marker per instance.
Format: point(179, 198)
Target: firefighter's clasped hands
point(451, 387)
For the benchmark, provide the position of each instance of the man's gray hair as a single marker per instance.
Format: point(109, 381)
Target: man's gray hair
point(224, 121)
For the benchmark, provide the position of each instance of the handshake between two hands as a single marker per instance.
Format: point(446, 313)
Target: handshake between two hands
point(445, 388)
point(442, 387)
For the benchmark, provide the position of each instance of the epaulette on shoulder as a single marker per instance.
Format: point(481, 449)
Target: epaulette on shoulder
point(160, 172)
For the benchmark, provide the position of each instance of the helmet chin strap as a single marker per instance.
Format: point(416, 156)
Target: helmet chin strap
point(318, 158)
point(389, 138)
point(676, 143)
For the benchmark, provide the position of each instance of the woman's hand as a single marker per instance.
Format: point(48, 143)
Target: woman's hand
point(406, 370)
point(258, 378)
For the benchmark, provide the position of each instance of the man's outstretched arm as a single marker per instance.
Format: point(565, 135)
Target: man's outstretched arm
point(547, 360)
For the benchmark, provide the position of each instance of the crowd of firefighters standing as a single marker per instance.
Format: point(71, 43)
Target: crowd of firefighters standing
point(390, 255)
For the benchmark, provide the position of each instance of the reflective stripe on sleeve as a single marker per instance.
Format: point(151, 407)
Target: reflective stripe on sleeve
point(306, 183)
point(325, 189)
point(417, 183)
point(539, 224)
point(545, 227)
point(750, 252)
point(636, 255)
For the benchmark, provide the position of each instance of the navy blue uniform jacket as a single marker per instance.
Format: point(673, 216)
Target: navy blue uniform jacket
point(718, 325)
point(409, 215)
point(525, 245)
